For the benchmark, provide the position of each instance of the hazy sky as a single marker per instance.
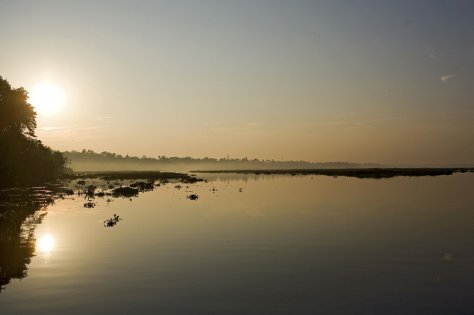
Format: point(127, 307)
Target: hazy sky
point(364, 81)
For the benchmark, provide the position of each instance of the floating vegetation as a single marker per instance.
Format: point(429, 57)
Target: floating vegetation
point(112, 221)
point(101, 194)
point(66, 191)
point(193, 197)
point(178, 187)
point(92, 186)
point(89, 205)
point(143, 175)
point(125, 192)
point(62, 192)
point(118, 183)
point(143, 186)
point(89, 191)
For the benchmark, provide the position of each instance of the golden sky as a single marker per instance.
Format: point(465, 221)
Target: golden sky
point(365, 81)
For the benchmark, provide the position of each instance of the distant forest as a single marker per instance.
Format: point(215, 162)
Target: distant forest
point(88, 160)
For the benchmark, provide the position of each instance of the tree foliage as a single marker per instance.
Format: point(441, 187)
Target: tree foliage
point(23, 158)
point(16, 114)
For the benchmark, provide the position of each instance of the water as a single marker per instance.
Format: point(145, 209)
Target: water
point(281, 245)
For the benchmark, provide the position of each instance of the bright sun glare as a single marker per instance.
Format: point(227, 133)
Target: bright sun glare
point(47, 98)
point(45, 244)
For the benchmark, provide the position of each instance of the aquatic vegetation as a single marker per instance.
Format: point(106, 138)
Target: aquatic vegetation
point(354, 172)
point(125, 192)
point(136, 175)
point(63, 192)
point(89, 205)
point(143, 186)
point(67, 192)
point(89, 191)
point(112, 221)
point(100, 194)
point(193, 197)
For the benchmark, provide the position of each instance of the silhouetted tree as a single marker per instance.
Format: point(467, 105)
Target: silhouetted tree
point(23, 158)
point(16, 114)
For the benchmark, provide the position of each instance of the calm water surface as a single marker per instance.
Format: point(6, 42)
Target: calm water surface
point(282, 245)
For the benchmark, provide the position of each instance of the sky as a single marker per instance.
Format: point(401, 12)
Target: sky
point(362, 81)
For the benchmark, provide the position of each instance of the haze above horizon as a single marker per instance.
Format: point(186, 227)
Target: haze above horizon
point(361, 81)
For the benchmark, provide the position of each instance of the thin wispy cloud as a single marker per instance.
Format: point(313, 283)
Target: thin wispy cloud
point(70, 131)
point(54, 128)
point(238, 127)
point(74, 137)
point(447, 77)
point(369, 122)
point(104, 118)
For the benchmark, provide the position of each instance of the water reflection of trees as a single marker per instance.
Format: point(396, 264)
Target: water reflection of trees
point(20, 212)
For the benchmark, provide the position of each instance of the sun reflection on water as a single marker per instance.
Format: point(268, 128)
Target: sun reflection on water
point(45, 244)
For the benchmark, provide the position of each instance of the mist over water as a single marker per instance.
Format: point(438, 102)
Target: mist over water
point(88, 160)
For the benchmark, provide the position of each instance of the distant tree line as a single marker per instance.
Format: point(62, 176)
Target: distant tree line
point(88, 160)
point(24, 160)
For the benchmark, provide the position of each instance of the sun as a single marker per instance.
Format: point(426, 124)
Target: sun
point(47, 98)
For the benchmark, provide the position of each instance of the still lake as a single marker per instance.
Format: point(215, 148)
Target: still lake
point(255, 244)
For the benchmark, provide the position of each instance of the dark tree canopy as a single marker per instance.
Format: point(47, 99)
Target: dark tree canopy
point(15, 112)
point(24, 160)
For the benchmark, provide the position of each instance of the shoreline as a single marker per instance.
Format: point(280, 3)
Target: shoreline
point(376, 173)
